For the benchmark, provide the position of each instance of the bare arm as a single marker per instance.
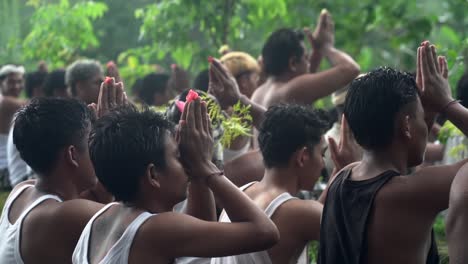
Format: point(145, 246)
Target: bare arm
point(308, 88)
point(457, 218)
point(322, 37)
point(314, 61)
point(307, 215)
point(200, 201)
point(179, 235)
point(257, 111)
point(431, 186)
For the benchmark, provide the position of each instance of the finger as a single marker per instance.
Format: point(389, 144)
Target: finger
point(112, 92)
point(419, 70)
point(323, 18)
point(309, 35)
point(333, 147)
point(125, 98)
point(211, 81)
point(344, 132)
point(430, 60)
point(119, 93)
point(435, 59)
point(205, 117)
point(198, 116)
point(183, 133)
point(103, 97)
point(216, 87)
point(190, 120)
point(183, 117)
point(220, 69)
point(443, 66)
point(424, 65)
point(92, 107)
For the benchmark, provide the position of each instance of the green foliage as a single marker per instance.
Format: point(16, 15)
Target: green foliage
point(10, 29)
point(313, 249)
point(61, 30)
point(449, 130)
point(239, 123)
point(3, 197)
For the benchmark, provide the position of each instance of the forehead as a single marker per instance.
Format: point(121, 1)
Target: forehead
point(14, 76)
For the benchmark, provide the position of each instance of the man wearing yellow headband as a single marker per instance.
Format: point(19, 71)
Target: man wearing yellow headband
point(245, 70)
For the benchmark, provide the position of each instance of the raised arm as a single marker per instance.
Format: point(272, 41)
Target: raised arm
point(182, 235)
point(310, 87)
point(435, 90)
point(224, 87)
point(320, 40)
point(431, 185)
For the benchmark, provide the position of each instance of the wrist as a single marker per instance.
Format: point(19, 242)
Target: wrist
point(448, 104)
point(204, 171)
point(244, 100)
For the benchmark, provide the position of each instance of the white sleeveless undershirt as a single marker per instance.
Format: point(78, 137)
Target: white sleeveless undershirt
point(10, 233)
point(119, 252)
point(261, 257)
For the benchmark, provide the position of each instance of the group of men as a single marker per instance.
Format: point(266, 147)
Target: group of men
point(108, 174)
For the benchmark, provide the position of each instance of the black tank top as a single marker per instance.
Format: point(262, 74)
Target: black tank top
point(343, 229)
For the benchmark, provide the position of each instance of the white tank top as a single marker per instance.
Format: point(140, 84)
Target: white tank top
point(119, 252)
point(10, 233)
point(17, 168)
point(261, 257)
point(3, 151)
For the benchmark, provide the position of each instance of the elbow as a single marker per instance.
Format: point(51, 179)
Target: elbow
point(268, 235)
point(350, 71)
point(353, 69)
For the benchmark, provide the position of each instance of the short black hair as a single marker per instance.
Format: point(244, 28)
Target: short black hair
point(55, 81)
point(280, 46)
point(202, 80)
point(46, 126)
point(462, 89)
point(123, 143)
point(33, 80)
point(286, 128)
point(153, 83)
point(373, 102)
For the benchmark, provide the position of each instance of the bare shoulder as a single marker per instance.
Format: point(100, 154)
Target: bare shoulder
point(396, 189)
point(459, 188)
point(300, 218)
point(301, 207)
point(71, 214)
point(11, 104)
point(166, 224)
point(259, 94)
point(299, 210)
point(404, 191)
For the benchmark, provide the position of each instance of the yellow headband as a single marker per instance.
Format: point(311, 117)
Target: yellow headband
point(240, 62)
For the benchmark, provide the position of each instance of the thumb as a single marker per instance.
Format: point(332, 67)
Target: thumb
point(333, 147)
